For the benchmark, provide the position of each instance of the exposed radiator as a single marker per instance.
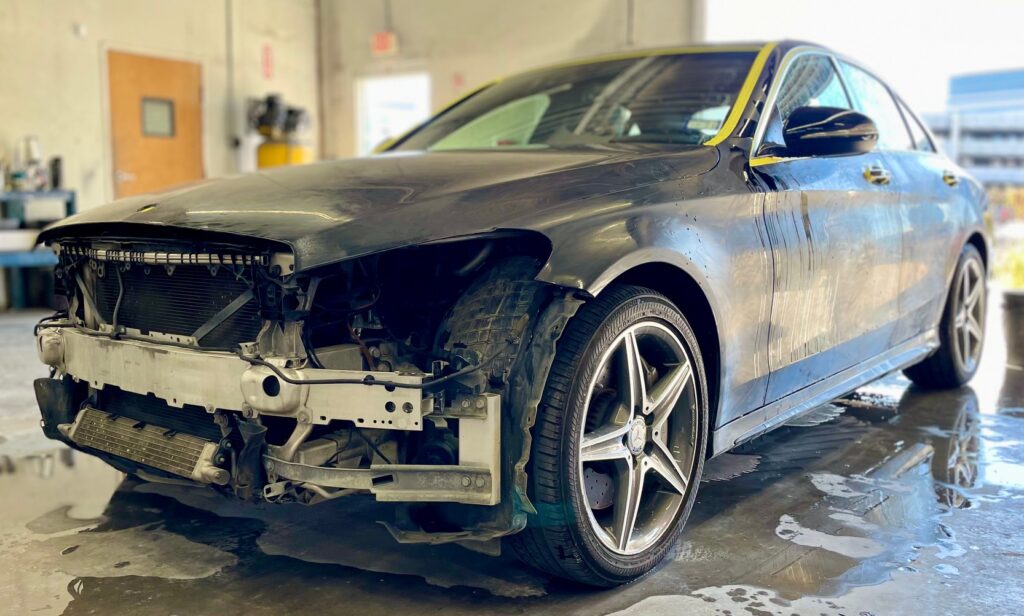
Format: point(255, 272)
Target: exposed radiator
point(178, 303)
point(179, 454)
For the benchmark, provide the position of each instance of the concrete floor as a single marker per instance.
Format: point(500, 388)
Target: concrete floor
point(907, 502)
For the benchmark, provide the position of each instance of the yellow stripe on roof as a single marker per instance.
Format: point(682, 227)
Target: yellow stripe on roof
point(746, 92)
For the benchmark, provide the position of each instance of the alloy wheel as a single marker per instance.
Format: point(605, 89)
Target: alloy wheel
point(637, 443)
point(969, 315)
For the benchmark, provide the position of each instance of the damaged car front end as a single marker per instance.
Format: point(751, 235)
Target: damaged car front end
point(219, 364)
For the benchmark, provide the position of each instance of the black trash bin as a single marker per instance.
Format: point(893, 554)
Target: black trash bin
point(1013, 326)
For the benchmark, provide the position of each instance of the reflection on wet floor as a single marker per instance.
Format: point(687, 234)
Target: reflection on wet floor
point(881, 505)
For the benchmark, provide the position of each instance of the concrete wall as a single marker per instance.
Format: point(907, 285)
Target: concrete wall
point(53, 71)
point(463, 43)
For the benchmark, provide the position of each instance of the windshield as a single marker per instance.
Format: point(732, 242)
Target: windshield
point(682, 98)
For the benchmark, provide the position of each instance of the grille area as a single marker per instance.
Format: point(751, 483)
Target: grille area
point(154, 411)
point(179, 454)
point(178, 303)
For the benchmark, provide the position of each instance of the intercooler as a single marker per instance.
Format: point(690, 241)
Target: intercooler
point(151, 410)
point(178, 301)
point(179, 454)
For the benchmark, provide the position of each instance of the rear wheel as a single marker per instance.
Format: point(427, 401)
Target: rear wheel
point(961, 331)
point(619, 441)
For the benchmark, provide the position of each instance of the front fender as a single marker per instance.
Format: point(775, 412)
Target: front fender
point(719, 242)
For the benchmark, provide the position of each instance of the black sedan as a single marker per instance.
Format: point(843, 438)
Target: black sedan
point(536, 315)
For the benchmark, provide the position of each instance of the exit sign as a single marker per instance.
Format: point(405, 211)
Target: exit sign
point(384, 44)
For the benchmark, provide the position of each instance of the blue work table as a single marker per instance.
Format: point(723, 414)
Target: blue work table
point(14, 261)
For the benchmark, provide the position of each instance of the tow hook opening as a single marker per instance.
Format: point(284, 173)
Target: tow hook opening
point(271, 386)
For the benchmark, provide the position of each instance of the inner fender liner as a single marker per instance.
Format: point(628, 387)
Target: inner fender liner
point(522, 395)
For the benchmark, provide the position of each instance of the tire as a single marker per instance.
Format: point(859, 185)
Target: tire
point(563, 538)
point(949, 366)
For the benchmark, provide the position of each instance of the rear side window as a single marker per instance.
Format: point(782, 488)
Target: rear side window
point(917, 133)
point(873, 99)
point(811, 81)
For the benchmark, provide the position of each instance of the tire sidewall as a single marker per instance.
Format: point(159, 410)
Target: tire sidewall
point(617, 568)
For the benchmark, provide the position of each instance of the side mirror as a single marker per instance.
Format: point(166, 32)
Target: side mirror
point(824, 131)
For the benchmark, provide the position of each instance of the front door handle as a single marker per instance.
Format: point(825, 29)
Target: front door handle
point(877, 174)
point(951, 179)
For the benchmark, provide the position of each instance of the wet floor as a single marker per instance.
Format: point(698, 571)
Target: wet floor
point(897, 501)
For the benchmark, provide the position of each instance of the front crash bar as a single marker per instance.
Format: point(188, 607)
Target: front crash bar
point(220, 380)
point(408, 483)
point(476, 480)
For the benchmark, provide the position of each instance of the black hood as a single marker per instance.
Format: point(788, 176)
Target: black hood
point(335, 210)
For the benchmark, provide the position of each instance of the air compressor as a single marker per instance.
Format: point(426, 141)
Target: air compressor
point(281, 126)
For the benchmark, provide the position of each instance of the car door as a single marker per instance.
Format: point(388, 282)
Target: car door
point(932, 203)
point(836, 239)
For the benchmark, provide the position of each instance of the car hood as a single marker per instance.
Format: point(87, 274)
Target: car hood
point(334, 210)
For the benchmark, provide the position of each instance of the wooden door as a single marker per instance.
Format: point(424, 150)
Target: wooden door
point(156, 114)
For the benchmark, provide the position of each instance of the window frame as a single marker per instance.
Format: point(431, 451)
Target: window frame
point(773, 93)
point(906, 110)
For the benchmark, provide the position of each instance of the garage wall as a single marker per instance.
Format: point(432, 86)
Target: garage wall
point(53, 71)
point(464, 43)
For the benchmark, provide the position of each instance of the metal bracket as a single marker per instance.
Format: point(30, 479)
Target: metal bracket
point(475, 480)
point(223, 314)
point(412, 483)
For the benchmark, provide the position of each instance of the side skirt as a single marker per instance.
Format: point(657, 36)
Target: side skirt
point(772, 416)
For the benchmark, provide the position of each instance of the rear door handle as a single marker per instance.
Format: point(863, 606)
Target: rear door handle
point(877, 174)
point(951, 179)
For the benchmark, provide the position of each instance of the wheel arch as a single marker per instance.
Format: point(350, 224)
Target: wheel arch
point(978, 241)
point(687, 294)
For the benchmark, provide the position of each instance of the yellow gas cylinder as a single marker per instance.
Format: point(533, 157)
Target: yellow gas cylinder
point(276, 153)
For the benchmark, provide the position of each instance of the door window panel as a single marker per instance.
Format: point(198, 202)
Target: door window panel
point(873, 99)
point(811, 81)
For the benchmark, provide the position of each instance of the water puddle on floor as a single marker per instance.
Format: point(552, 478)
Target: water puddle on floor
point(833, 516)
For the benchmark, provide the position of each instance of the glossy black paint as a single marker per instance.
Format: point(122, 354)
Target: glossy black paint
point(817, 279)
point(335, 210)
point(828, 131)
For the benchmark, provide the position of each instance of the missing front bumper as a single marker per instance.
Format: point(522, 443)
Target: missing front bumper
point(222, 382)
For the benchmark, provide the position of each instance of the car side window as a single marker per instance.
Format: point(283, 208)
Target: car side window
point(920, 137)
point(873, 99)
point(811, 81)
